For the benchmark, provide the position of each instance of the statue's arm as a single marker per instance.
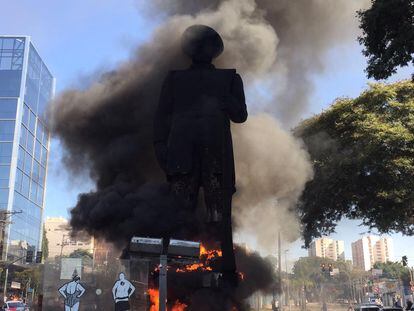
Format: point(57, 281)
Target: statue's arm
point(235, 104)
point(162, 121)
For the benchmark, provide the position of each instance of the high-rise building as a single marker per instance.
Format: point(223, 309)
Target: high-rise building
point(26, 85)
point(60, 241)
point(327, 248)
point(371, 249)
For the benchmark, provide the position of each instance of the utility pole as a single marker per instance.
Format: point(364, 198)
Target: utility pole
point(287, 282)
point(62, 244)
point(3, 223)
point(279, 262)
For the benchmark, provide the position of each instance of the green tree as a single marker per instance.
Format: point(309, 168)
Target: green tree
point(80, 253)
point(307, 272)
point(45, 244)
point(363, 155)
point(393, 270)
point(29, 277)
point(388, 36)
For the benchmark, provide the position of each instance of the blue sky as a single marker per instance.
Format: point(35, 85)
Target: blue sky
point(79, 37)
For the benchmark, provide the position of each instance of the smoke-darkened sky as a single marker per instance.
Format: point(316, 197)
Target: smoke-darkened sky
point(80, 39)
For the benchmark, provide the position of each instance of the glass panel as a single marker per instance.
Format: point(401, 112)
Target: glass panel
point(8, 108)
point(23, 136)
point(19, 179)
point(10, 83)
point(40, 195)
point(20, 158)
point(25, 185)
point(6, 130)
point(42, 176)
point(4, 197)
point(32, 122)
point(30, 142)
point(26, 114)
point(11, 63)
point(44, 157)
point(38, 150)
point(27, 163)
point(26, 225)
point(33, 191)
point(39, 131)
point(5, 152)
point(45, 138)
point(35, 171)
point(8, 43)
point(32, 92)
point(4, 176)
point(46, 88)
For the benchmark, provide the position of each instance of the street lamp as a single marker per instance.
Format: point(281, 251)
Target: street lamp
point(287, 281)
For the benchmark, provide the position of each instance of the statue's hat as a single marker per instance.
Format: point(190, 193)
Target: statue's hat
point(200, 41)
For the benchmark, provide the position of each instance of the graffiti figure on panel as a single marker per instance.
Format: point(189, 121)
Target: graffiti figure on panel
point(122, 290)
point(71, 292)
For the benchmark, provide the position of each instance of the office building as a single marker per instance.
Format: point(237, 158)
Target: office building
point(371, 249)
point(60, 241)
point(327, 248)
point(26, 86)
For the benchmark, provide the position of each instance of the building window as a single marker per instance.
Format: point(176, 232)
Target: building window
point(5, 153)
point(6, 130)
point(8, 108)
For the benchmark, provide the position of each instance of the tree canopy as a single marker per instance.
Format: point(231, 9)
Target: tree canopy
point(393, 270)
point(363, 155)
point(388, 36)
point(80, 253)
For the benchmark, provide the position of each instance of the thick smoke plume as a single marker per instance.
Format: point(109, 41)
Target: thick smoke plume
point(276, 46)
point(107, 127)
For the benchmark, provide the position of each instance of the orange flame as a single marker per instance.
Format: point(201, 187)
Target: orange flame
point(155, 302)
point(205, 256)
point(154, 299)
point(178, 306)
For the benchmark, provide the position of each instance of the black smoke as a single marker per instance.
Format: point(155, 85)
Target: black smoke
point(106, 129)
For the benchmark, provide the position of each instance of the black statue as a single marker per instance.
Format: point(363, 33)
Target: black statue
point(192, 136)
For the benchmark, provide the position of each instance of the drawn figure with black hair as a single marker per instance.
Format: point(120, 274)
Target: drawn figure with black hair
point(72, 291)
point(122, 290)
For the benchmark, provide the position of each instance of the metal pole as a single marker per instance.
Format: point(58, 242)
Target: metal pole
point(61, 245)
point(5, 283)
point(163, 283)
point(287, 281)
point(279, 261)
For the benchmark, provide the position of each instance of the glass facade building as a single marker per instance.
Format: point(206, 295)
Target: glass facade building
point(26, 86)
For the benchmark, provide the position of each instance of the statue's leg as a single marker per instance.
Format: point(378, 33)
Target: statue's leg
point(185, 187)
point(229, 261)
point(218, 201)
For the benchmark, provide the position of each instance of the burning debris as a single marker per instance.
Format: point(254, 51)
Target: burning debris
point(107, 130)
point(189, 285)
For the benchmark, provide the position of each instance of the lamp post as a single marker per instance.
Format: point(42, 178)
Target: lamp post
point(287, 281)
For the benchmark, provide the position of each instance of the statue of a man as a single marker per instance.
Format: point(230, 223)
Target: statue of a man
point(192, 136)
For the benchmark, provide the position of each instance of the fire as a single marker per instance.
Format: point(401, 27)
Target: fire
point(210, 254)
point(178, 306)
point(205, 256)
point(155, 302)
point(154, 299)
